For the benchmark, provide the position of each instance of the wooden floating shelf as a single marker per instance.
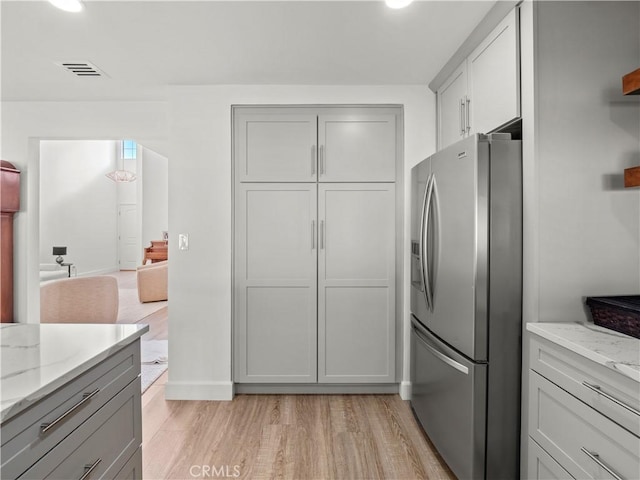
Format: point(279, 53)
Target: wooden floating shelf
point(631, 83)
point(632, 177)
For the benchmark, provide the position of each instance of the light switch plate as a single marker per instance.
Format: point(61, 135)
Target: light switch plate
point(183, 241)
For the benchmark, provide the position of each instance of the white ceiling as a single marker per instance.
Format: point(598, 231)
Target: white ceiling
point(143, 46)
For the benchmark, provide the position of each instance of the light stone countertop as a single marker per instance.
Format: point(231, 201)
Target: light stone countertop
point(36, 360)
point(614, 350)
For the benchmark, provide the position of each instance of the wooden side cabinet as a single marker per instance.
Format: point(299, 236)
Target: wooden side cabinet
point(9, 205)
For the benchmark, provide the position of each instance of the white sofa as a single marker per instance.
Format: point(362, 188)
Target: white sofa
point(52, 271)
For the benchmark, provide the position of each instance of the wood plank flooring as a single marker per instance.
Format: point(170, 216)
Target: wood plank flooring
point(158, 325)
point(299, 437)
point(285, 436)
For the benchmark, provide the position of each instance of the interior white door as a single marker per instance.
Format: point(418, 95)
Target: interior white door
point(276, 283)
point(356, 283)
point(128, 241)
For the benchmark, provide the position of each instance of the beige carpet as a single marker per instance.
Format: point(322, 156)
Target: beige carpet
point(130, 310)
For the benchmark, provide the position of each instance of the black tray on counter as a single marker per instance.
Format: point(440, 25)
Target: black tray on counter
point(619, 313)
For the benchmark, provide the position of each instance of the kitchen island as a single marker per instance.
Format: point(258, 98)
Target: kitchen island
point(70, 400)
point(584, 402)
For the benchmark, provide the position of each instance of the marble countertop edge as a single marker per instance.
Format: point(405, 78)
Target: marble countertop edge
point(609, 348)
point(10, 407)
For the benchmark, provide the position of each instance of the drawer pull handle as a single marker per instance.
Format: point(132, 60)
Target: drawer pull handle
point(596, 458)
point(90, 468)
point(598, 390)
point(45, 427)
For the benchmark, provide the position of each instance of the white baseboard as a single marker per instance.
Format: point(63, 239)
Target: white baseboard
point(198, 390)
point(316, 388)
point(92, 273)
point(405, 390)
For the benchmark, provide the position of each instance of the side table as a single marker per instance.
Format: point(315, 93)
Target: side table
point(68, 265)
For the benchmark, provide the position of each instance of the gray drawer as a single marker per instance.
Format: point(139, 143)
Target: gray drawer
point(107, 441)
point(571, 431)
point(612, 394)
point(540, 465)
point(23, 441)
point(132, 470)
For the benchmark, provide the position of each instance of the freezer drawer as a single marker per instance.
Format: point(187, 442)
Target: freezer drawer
point(449, 399)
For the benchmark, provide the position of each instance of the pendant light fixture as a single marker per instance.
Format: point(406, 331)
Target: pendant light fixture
point(68, 5)
point(121, 176)
point(127, 149)
point(397, 3)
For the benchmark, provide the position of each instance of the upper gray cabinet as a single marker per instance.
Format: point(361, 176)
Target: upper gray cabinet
point(357, 147)
point(483, 93)
point(452, 106)
point(309, 145)
point(275, 147)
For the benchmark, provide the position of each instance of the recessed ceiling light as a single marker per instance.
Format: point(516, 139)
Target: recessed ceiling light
point(394, 3)
point(67, 5)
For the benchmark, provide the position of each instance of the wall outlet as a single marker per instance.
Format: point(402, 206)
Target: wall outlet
point(183, 241)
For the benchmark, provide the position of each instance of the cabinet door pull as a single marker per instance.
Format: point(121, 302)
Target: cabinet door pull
point(462, 129)
point(321, 234)
point(313, 160)
point(599, 391)
point(467, 115)
point(45, 427)
point(322, 165)
point(596, 458)
point(313, 234)
point(90, 468)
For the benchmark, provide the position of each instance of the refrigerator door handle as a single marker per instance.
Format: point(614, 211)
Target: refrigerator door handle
point(424, 231)
point(426, 262)
point(439, 355)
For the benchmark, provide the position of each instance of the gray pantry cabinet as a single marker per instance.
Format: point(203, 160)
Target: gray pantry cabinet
point(315, 244)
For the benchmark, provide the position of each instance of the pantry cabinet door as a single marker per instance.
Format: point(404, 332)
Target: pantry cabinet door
point(275, 147)
point(451, 98)
point(357, 147)
point(356, 283)
point(275, 283)
point(494, 77)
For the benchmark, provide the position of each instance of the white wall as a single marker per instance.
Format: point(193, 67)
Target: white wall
point(155, 196)
point(24, 125)
point(200, 186)
point(78, 204)
point(582, 228)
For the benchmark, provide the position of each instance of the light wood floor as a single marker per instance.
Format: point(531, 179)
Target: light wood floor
point(158, 325)
point(285, 436)
point(299, 437)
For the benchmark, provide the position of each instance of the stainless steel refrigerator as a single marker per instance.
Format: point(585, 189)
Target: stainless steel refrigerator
point(466, 304)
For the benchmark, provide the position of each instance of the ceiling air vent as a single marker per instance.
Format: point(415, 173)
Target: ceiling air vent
point(82, 69)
